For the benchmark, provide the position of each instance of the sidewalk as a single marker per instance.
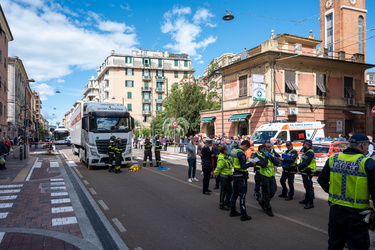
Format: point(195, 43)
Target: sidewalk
point(35, 207)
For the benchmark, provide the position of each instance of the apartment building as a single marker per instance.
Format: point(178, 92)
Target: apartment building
point(140, 81)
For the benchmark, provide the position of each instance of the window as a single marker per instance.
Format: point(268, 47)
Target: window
point(128, 59)
point(176, 74)
point(5, 84)
point(129, 95)
point(349, 92)
point(159, 85)
point(186, 74)
point(5, 62)
point(160, 96)
point(129, 83)
point(146, 62)
point(321, 85)
point(130, 106)
point(146, 96)
point(282, 136)
point(145, 84)
point(175, 83)
point(146, 73)
point(360, 34)
point(176, 63)
point(159, 107)
point(129, 72)
point(106, 72)
point(160, 63)
point(145, 118)
point(243, 86)
point(160, 73)
point(186, 63)
point(290, 82)
point(329, 35)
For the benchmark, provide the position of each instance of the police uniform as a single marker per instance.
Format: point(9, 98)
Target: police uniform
point(158, 147)
point(224, 169)
point(118, 155)
point(257, 178)
point(307, 167)
point(240, 176)
point(147, 152)
point(111, 153)
point(349, 179)
point(289, 170)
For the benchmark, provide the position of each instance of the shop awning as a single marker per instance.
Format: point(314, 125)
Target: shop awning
point(238, 117)
point(207, 119)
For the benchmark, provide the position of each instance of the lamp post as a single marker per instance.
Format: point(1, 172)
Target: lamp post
point(25, 141)
point(222, 103)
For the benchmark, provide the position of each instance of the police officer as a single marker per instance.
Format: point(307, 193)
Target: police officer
point(240, 176)
point(207, 159)
point(307, 167)
point(147, 152)
point(158, 147)
point(257, 178)
point(289, 163)
point(349, 179)
point(224, 169)
point(118, 156)
point(269, 160)
point(111, 153)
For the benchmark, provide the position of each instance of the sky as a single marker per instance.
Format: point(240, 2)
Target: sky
point(63, 42)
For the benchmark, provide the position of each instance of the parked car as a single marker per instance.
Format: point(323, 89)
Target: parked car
point(324, 149)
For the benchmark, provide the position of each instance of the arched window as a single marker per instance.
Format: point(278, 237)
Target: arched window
point(360, 34)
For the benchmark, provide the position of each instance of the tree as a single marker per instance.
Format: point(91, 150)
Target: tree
point(188, 98)
point(181, 129)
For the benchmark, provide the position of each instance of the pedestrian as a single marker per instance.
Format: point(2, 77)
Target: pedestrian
point(224, 170)
point(307, 167)
point(269, 160)
point(240, 176)
point(192, 160)
point(371, 147)
point(214, 163)
point(207, 157)
point(165, 142)
point(157, 149)
point(349, 180)
point(147, 152)
point(289, 164)
point(181, 144)
point(111, 153)
point(3, 154)
point(118, 157)
point(257, 177)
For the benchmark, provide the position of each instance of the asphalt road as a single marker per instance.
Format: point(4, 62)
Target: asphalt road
point(153, 209)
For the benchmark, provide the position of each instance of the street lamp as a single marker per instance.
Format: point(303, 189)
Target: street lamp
point(222, 103)
point(228, 16)
point(25, 120)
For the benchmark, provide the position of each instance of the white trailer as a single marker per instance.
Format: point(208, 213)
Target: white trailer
point(92, 124)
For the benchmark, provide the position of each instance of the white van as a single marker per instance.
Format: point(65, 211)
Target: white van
point(296, 132)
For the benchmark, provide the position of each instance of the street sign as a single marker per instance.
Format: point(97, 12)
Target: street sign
point(174, 124)
point(373, 111)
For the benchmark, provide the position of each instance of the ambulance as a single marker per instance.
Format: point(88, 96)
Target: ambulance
point(279, 133)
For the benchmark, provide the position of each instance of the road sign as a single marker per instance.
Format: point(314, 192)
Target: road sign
point(373, 111)
point(174, 124)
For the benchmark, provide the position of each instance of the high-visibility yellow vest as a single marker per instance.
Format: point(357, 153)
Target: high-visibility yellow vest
point(269, 170)
point(312, 164)
point(348, 181)
point(236, 161)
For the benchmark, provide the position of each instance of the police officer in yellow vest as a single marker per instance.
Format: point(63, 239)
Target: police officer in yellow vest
point(268, 163)
point(307, 167)
point(349, 179)
point(240, 176)
point(289, 162)
point(257, 178)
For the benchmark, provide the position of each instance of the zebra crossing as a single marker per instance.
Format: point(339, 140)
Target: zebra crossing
point(8, 193)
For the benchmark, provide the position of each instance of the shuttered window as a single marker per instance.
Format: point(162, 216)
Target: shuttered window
point(290, 82)
point(243, 86)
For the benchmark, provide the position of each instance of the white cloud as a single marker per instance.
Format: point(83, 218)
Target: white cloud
point(185, 32)
point(43, 89)
point(52, 42)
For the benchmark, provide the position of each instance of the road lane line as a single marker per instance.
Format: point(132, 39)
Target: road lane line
point(11, 186)
point(92, 191)
point(36, 164)
point(77, 172)
point(1, 236)
point(85, 182)
point(56, 210)
point(64, 221)
point(8, 197)
point(118, 224)
point(59, 201)
point(104, 206)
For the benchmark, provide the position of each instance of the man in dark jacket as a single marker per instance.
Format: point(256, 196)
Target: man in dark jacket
point(289, 162)
point(349, 179)
point(3, 153)
point(207, 158)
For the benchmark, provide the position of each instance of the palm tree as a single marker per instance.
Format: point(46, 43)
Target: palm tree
point(180, 130)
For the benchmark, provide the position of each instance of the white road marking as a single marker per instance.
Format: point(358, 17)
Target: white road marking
point(118, 224)
point(59, 194)
point(58, 188)
point(36, 164)
point(77, 172)
point(85, 182)
point(92, 191)
point(59, 201)
point(57, 179)
point(56, 210)
point(71, 163)
point(6, 205)
point(9, 197)
point(64, 221)
point(104, 206)
point(11, 186)
point(9, 191)
point(57, 183)
point(54, 164)
point(1, 236)
point(3, 215)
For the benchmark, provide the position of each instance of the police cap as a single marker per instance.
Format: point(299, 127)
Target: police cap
point(359, 138)
point(308, 142)
point(288, 143)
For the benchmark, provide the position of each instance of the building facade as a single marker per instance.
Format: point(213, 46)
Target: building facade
point(140, 81)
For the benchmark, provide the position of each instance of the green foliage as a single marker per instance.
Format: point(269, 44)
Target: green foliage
point(137, 132)
point(172, 132)
point(158, 123)
point(146, 132)
point(187, 99)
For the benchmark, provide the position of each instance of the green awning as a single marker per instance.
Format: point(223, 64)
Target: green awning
point(238, 117)
point(207, 119)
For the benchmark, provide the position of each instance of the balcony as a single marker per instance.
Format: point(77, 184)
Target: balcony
point(148, 89)
point(144, 100)
point(159, 90)
point(146, 78)
point(93, 94)
point(159, 101)
point(146, 112)
point(160, 78)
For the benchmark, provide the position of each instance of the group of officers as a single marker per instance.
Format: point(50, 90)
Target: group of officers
point(348, 178)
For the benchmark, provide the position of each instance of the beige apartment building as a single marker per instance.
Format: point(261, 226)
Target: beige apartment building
point(140, 81)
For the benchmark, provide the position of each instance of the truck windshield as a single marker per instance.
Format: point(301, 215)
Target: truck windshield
point(109, 124)
point(261, 136)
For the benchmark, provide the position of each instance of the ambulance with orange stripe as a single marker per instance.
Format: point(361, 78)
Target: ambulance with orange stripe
point(279, 133)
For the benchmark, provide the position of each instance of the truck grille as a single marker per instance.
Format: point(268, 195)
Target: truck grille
point(102, 145)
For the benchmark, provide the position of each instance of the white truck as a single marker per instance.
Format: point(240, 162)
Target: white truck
point(92, 124)
point(296, 132)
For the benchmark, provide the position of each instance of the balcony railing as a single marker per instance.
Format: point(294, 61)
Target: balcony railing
point(146, 112)
point(148, 78)
point(158, 101)
point(146, 100)
point(159, 89)
point(146, 88)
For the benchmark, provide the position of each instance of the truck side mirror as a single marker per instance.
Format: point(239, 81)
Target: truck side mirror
point(131, 123)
